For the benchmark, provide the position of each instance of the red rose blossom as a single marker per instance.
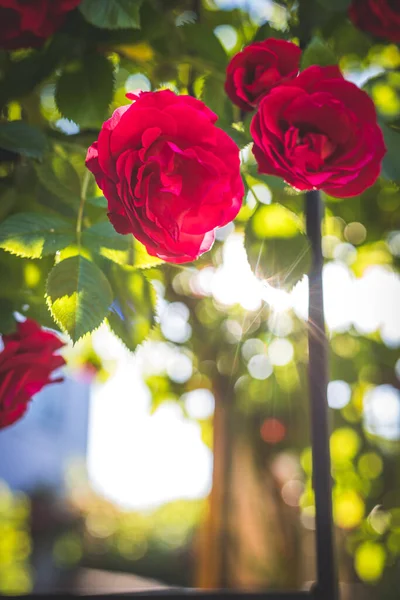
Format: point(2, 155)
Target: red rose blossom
point(169, 174)
point(26, 364)
point(254, 71)
point(319, 131)
point(379, 17)
point(28, 23)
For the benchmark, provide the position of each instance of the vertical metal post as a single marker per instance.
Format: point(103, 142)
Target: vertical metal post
point(327, 586)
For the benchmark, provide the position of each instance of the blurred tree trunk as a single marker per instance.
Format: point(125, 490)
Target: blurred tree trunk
point(250, 538)
point(211, 569)
point(266, 531)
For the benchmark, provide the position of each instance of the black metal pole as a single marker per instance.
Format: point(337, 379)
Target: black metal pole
point(326, 586)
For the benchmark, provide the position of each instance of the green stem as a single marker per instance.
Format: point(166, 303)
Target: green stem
point(131, 252)
point(79, 219)
point(250, 186)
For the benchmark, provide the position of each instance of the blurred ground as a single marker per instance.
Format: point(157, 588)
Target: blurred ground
point(95, 581)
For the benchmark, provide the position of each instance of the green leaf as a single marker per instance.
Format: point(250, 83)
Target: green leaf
point(19, 137)
point(104, 240)
point(391, 163)
point(395, 125)
point(265, 31)
point(132, 314)
point(317, 53)
point(346, 39)
point(238, 135)
point(24, 73)
point(112, 14)
point(35, 308)
point(7, 319)
point(33, 235)
point(142, 259)
point(58, 176)
point(214, 96)
point(93, 76)
point(98, 201)
point(277, 247)
point(202, 42)
point(213, 18)
point(336, 5)
point(8, 199)
point(103, 235)
point(274, 183)
point(78, 296)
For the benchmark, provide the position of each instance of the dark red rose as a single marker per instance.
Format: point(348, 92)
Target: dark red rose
point(28, 23)
point(379, 17)
point(319, 131)
point(254, 71)
point(169, 174)
point(26, 364)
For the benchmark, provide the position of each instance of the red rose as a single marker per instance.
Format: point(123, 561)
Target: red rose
point(379, 17)
point(26, 363)
point(28, 23)
point(254, 71)
point(319, 131)
point(169, 175)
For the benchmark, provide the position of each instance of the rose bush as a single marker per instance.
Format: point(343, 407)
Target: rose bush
point(169, 174)
point(319, 131)
point(28, 23)
point(379, 17)
point(26, 364)
point(254, 71)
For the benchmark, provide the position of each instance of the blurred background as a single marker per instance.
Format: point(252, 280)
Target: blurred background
point(188, 463)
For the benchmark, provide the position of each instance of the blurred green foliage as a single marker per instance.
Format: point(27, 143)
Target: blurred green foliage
point(151, 544)
point(15, 543)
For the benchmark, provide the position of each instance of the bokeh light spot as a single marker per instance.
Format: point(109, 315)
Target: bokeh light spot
point(339, 393)
point(272, 431)
point(252, 347)
point(260, 367)
point(370, 561)
point(227, 35)
point(345, 444)
point(199, 403)
point(348, 509)
point(280, 352)
point(382, 411)
point(137, 82)
point(179, 368)
point(355, 233)
point(370, 465)
point(292, 491)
